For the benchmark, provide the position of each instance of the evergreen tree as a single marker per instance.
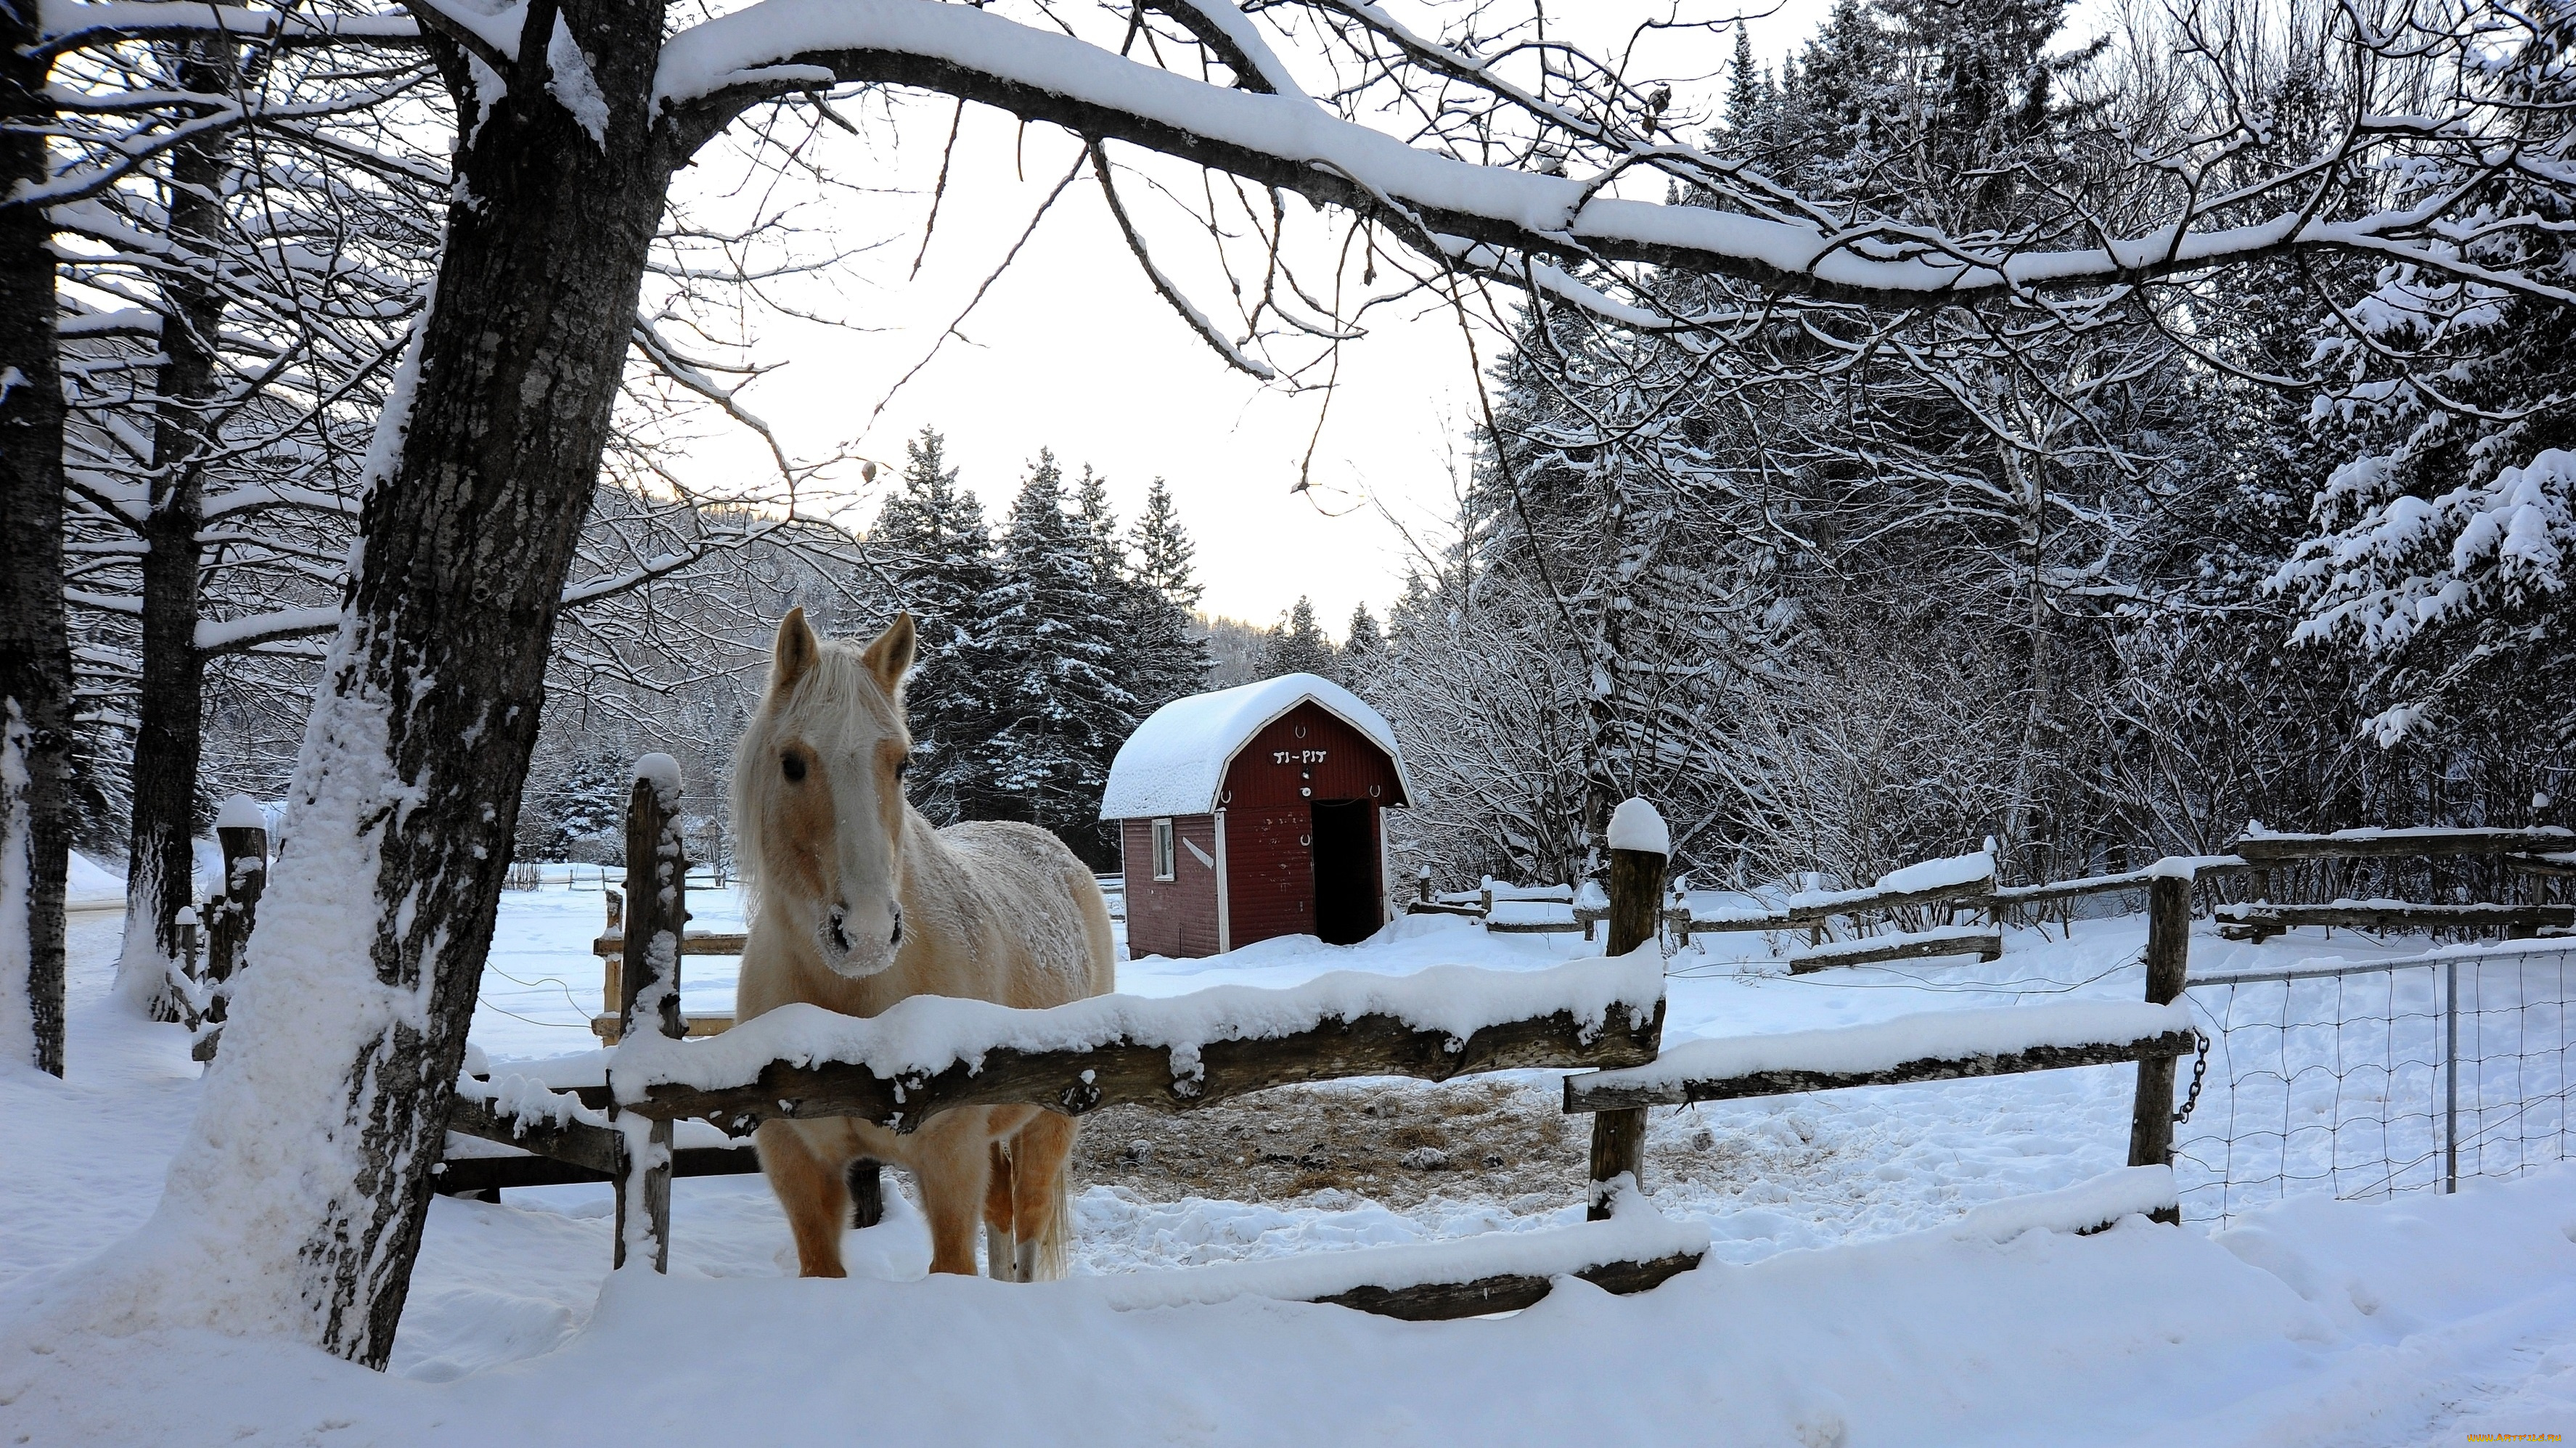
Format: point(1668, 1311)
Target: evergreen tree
point(1366, 640)
point(1164, 552)
point(1171, 657)
point(933, 541)
point(2443, 529)
point(1052, 656)
point(1750, 101)
point(1100, 526)
point(1839, 105)
point(1299, 646)
point(1364, 651)
point(590, 809)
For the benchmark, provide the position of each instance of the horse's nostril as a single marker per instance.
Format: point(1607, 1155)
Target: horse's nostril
point(897, 938)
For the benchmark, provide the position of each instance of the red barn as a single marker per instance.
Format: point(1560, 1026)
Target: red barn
point(1253, 812)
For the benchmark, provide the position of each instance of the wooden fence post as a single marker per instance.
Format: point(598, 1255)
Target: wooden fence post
point(190, 968)
point(2168, 958)
point(243, 833)
point(657, 916)
point(1639, 845)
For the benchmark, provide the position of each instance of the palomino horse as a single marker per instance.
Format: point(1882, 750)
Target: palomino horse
point(860, 903)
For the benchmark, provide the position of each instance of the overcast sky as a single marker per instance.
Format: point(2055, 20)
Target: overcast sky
point(1072, 350)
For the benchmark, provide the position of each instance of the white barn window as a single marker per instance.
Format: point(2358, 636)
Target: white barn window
point(1163, 849)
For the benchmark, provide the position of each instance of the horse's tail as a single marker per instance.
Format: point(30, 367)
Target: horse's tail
point(1045, 1147)
point(1055, 1235)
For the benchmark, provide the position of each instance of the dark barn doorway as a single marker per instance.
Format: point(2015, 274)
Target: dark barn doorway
point(1346, 878)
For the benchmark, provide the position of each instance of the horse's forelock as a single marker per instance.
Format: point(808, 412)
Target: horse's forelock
point(837, 706)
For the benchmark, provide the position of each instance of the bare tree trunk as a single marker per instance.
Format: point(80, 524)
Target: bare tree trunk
point(370, 943)
point(160, 857)
point(2028, 477)
point(35, 653)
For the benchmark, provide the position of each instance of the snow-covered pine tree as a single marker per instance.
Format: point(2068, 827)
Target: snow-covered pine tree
point(1298, 645)
point(1171, 654)
point(1122, 591)
point(2439, 557)
point(1165, 556)
point(1365, 647)
point(1752, 99)
point(1052, 654)
point(590, 805)
point(934, 542)
point(1100, 526)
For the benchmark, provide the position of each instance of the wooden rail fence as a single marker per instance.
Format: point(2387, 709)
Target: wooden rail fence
point(579, 1132)
point(622, 1128)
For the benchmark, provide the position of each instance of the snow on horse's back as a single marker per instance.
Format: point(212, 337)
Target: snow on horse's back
point(858, 903)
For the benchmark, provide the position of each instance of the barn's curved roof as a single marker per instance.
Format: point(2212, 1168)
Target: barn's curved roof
point(1174, 764)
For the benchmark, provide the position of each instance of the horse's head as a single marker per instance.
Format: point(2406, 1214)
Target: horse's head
point(818, 791)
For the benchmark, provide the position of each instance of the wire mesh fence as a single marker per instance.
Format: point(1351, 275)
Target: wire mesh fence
point(2369, 1079)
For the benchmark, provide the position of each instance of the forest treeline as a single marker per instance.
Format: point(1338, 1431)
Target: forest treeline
point(1848, 591)
point(1046, 636)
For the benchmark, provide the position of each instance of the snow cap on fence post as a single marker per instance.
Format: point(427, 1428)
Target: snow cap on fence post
point(662, 770)
point(1637, 825)
point(240, 812)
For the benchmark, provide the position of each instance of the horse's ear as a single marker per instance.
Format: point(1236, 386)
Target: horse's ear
point(797, 650)
point(890, 657)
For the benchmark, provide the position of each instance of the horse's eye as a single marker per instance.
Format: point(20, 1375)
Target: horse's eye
point(793, 766)
point(903, 766)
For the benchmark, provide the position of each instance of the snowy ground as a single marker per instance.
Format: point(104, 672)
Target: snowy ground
point(1842, 1305)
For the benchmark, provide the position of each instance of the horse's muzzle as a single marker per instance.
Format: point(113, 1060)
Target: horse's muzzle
point(842, 953)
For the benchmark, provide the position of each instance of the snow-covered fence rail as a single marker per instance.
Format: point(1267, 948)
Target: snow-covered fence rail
point(1508, 909)
point(1934, 1046)
point(1630, 1250)
point(2499, 866)
point(1967, 880)
point(930, 1054)
point(2260, 922)
point(1967, 883)
point(2263, 847)
point(1958, 883)
point(1941, 940)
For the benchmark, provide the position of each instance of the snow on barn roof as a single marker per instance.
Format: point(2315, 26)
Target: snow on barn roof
point(1174, 764)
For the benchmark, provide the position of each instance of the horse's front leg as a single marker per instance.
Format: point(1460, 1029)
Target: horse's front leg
point(814, 1196)
point(953, 1156)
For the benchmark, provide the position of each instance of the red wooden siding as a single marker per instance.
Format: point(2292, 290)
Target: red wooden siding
point(1175, 917)
point(1273, 886)
point(1351, 768)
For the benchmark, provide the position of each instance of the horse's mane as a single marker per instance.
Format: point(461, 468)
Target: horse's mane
point(836, 704)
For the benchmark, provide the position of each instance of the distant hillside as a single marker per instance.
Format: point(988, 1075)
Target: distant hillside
point(1235, 647)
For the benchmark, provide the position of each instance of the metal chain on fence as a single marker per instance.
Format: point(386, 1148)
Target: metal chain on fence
point(2199, 1071)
